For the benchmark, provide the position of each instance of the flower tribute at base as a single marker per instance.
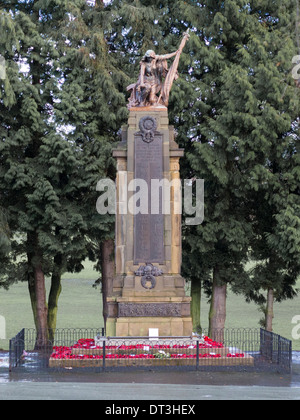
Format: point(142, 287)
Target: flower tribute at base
point(158, 351)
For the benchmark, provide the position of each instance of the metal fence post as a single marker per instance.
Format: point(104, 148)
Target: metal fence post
point(197, 355)
point(20, 346)
point(104, 352)
point(10, 355)
point(290, 357)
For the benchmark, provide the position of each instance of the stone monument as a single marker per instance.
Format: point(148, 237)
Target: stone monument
point(148, 290)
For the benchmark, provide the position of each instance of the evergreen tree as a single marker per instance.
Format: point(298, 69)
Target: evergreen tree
point(23, 126)
point(243, 114)
point(56, 145)
point(276, 203)
point(222, 240)
point(93, 83)
point(8, 45)
point(39, 183)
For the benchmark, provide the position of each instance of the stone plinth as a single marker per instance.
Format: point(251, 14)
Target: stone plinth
point(148, 290)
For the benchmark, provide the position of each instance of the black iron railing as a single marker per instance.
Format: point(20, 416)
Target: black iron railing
point(16, 349)
point(276, 349)
point(238, 349)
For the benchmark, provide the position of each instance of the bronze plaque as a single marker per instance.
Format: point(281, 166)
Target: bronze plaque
point(149, 309)
point(149, 228)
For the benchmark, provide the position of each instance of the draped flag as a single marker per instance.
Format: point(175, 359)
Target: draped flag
point(172, 73)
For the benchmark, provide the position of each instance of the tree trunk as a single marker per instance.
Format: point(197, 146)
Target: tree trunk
point(41, 307)
point(31, 289)
point(54, 294)
point(31, 282)
point(99, 3)
point(196, 305)
point(270, 310)
point(37, 290)
point(217, 313)
point(108, 272)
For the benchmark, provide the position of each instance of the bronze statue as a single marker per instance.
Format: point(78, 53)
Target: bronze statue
point(155, 78)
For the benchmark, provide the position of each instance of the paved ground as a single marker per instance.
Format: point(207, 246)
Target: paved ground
point(141, 392)
point(150, 386)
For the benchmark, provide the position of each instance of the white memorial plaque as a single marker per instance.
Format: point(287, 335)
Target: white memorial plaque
point(153, 333)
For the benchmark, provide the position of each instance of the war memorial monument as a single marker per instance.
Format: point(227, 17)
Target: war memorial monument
point(148, 290)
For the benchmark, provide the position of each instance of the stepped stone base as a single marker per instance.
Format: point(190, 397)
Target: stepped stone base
point(167, 326)
point(135, 315)
point(86, 363)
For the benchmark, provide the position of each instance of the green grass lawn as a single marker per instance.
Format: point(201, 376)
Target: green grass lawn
point(241, 314)
point(80, 305)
